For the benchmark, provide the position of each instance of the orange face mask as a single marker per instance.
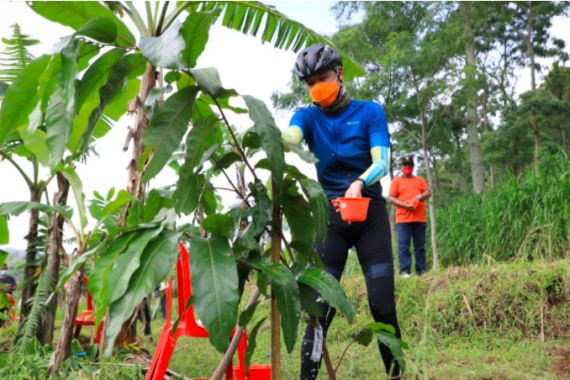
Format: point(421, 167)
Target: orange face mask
point(325, 93)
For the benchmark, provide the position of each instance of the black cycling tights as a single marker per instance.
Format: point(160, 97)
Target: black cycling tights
point(373, 246)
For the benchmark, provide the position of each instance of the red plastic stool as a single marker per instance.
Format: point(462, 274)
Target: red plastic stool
point(87, 317)
point(188, 326)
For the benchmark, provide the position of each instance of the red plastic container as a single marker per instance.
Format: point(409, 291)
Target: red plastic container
point(352, 209)
point(256, 372)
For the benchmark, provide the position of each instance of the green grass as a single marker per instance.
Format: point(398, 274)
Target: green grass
point(499, 337)
point(477, 322)
point(526, 217)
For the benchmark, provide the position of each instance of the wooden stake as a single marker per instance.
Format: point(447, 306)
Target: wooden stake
point(275, 316)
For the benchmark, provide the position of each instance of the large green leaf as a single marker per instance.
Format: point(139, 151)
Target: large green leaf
point(167, 127)
point(48, 82)
point(208, 80)
point(219, 224)
point(119, 74)
point(287, 293)
point(194, 31)
point(128, 262)
point(305, 155)
point(77, 187)
point(319, 205)
point(215, 287)
point(21, 97)
point(164, 50)
point(122, 199)
point(97, 74)
point(99, 285)
point(100, 29)
point(204, 135)
point(36, 142)
point(260, 216)
point(299, 219)
point(61, 105)
point(270, 136)
point(258, 19)
point(157, 261)
point(78, 14)
point(187, 193)
point(180, 45)
point(16, 208)
point(329, 288)
point(4, 232)
point(227, 160)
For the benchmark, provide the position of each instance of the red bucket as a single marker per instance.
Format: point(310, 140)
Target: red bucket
point(352, 209)
point(256, 372)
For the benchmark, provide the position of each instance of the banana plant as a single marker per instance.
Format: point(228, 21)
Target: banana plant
point(16, 58)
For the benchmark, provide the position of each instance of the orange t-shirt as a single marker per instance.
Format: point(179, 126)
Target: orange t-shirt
point(407, 189)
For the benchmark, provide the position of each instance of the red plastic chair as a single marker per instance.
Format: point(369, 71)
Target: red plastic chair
point(12, 310)
point(87, 317)
point(188, 326)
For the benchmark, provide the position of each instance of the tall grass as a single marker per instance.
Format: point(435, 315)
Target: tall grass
point(527, 218)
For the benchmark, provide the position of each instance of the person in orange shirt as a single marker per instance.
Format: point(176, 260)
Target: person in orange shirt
point(408, 193)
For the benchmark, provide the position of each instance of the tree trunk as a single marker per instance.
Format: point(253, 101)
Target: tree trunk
point(135, 185)
point(431, 205)
point(31, 252)
point(528, 42)
point(462, 184)
point(64, 342)
point(475, 157)
point(275, 316)
point(536, 132)
point(54, 247)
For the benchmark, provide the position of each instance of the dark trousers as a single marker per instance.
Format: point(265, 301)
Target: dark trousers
point(408, 232)
point(372, 241)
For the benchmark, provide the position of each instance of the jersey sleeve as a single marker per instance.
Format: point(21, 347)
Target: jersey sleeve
point(378, 127)
point(297, 130)
point(379, 139)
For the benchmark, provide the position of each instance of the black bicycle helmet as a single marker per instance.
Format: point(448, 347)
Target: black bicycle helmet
point(316, 58)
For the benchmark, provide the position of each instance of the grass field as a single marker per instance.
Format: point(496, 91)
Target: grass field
point(462, 323)
point(506, 321)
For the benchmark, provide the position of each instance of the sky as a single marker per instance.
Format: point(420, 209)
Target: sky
point(244, 64)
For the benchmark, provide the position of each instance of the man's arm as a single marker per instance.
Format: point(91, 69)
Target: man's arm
point(399, 203)
point(378, 169)
point(425, 195)
point(379, 139)
point(292, 135)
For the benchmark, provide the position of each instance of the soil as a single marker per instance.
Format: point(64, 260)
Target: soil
point(561, 365)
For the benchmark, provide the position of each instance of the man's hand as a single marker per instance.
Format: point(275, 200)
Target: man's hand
point(354, 190)
point(410, 206)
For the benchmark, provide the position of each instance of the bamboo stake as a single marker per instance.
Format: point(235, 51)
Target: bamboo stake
point(275, 316)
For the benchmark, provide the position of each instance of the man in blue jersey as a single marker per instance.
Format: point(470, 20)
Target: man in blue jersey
point(350, 138)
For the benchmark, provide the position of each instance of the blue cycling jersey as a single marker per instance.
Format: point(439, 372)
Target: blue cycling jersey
point(342, 143)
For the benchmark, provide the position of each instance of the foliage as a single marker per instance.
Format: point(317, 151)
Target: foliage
point(525, 218)
point(16, 55)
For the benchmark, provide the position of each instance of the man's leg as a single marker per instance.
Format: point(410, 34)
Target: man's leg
point(333, 253)
point(419, 236)
point(404, 240)
point(374, 250)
